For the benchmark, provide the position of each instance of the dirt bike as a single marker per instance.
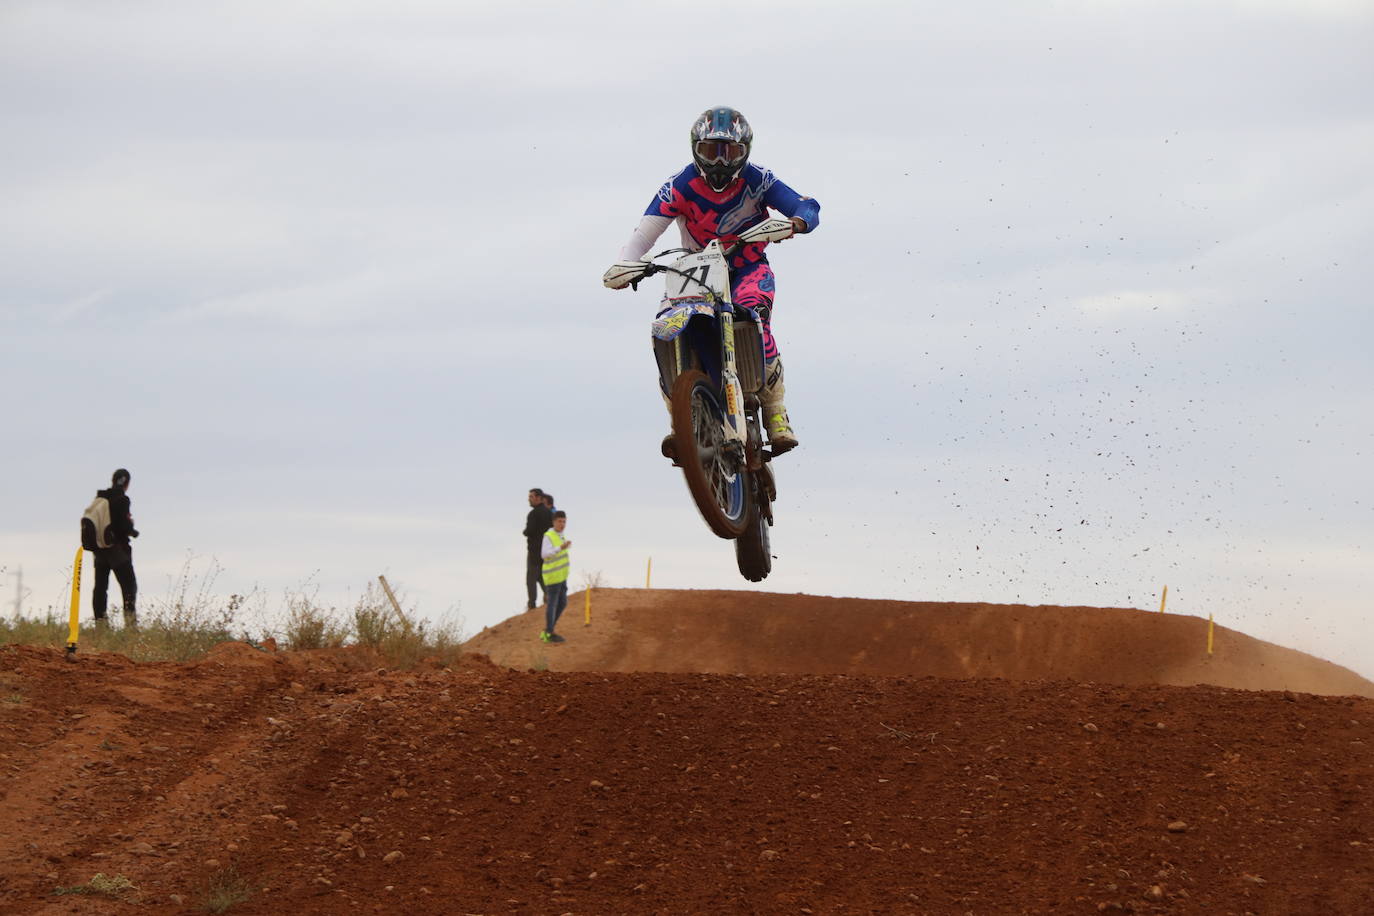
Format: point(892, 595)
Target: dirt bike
point(710, 363)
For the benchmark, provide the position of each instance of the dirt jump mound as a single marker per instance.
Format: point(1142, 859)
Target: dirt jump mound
point(731, 632)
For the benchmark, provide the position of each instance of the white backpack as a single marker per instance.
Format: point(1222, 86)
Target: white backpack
point(95, 524)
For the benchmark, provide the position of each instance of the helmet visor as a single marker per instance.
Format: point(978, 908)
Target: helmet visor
point(723, 151)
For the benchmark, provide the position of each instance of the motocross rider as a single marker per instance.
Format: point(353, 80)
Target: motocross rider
point(721, 194)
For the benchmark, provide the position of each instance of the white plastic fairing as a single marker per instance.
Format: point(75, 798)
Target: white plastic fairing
point(770, 230)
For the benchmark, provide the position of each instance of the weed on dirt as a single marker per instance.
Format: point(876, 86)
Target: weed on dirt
point(102, 885)
point(225, 889)
point(311, 627)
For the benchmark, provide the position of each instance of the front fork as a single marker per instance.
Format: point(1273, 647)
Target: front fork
point(734, 423)
point(736, 432)
point(743, 435)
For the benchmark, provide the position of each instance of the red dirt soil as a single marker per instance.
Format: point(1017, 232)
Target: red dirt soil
point(831, 777)
point(737, 632)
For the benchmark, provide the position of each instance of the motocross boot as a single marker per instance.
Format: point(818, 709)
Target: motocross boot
point(775, 423)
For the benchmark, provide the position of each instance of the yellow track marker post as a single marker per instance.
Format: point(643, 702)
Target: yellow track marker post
point(648, 571)
point(74, 629)
point(1210, 627)
point(587, 606)
point(1163, 598)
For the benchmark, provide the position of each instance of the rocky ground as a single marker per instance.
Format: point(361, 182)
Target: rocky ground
point(323, 783)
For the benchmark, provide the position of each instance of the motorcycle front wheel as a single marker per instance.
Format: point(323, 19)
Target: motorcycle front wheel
point(717, 479)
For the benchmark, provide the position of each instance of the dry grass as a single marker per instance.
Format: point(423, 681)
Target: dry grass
point(309, 626)
point(224, 890)
point(192, 619)
point(156, 639)
point(402, 640)
point(117, 887)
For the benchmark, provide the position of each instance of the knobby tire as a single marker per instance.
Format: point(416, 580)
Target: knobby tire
point(753, 553)
point(708, 485)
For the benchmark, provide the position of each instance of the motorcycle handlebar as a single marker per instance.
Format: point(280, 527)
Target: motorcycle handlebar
point(771, 230)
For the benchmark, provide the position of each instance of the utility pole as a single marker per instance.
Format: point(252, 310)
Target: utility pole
point(18, 592)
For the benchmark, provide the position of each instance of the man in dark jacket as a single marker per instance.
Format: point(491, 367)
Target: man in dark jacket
point(537, 522)
point(119, 556)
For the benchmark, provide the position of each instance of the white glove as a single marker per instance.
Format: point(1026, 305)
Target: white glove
point(623, 273)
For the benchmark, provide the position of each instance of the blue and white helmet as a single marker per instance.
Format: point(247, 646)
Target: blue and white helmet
point(721, 139)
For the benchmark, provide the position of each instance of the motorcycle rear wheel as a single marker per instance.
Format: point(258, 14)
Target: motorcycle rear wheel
point(753, 553)
point(718, 482)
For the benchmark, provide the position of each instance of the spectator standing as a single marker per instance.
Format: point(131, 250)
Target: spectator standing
point(556, 563)
point(539, 520)
point(119, 556)
point(548, 503)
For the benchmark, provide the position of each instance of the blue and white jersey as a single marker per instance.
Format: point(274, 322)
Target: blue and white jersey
point(705, 214)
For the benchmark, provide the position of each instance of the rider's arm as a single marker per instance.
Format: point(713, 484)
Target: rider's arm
point(644, 236)
point(791, 204)
point(662, 210)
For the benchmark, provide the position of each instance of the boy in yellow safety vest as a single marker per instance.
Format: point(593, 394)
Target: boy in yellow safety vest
point(555, 554)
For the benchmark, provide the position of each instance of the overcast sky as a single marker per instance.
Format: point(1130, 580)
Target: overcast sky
point(1088, 311)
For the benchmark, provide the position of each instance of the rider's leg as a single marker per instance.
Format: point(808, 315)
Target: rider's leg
point(754, 288)
point(780, 435)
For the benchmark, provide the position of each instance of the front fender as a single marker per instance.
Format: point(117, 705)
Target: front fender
point(671, 322)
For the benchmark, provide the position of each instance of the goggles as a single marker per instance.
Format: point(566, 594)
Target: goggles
point(726, 151)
